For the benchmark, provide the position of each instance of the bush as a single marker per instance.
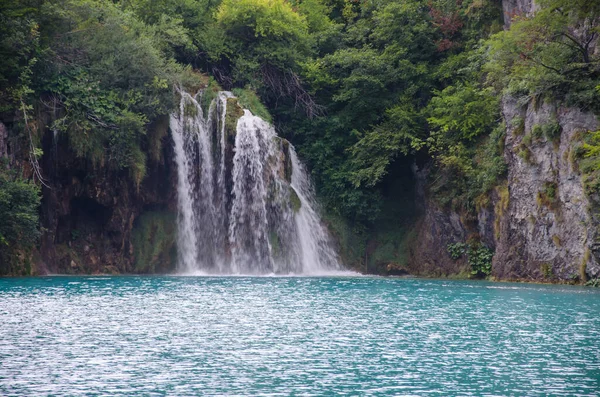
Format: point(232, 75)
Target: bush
point(19, 225)
point(456, 250)
point(480, 259)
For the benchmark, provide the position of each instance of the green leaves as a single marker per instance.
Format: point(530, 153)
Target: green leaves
point(550, 52)
point(400, 134)
point(479, 257)
point(262, 32)
point(464, 111)
point(111, 76)
point(19, 201)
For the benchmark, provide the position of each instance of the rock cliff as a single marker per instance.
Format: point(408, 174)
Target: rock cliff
point(539, 221)
point(96, 220)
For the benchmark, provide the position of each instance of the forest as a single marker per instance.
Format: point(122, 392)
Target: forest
point(368, 91)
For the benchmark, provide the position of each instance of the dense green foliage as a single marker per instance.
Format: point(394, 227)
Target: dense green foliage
point(479, 257)
point(19, 200)
point(362, 88)
point(552, 53)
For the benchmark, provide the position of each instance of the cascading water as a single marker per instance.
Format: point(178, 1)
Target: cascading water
point(246, 205)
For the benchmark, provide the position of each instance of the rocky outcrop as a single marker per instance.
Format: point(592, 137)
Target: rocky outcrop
point(516, 8)
point(436, 230)
point(547, 230)
point(539, 221)
point(96, 220)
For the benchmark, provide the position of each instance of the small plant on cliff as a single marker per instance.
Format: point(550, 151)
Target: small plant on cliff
point(546, 270)
point(552, 131)
point(456, 250)
point(249, 100)
point(594, 282)
point(480, 259)
point(587, 157)
point(548, 196)
point(518, 125)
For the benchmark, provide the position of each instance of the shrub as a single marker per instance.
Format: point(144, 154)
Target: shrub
point(480, 259)
point(19, 219)
point(456, 250)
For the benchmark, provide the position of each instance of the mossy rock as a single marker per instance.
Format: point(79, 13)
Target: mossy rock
point(287, 165)
point(153, 239)
point(295, 200)
point(232, 114)
point(193, 81)
point(248, 99)
point(157, 130)
point(190, 110)
point(209, 93)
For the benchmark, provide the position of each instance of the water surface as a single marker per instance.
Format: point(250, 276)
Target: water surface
point(184, 336)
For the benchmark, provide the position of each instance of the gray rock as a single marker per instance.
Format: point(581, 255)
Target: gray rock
point(515, 8)
point(539, 232)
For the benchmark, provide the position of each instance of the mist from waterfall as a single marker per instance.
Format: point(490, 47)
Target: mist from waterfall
point(245, 201)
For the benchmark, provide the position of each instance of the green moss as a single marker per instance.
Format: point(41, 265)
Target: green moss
point(295, 200)
point(501, 206)
point(285, 146)
point(548, 196)
point(351, 240)
point(209, 94)
point(556, 241)
point(518, 125)
point(537, 131)
point(156, 132)
point(249, 100)
point(583, 278)
point(153, 239)
point(275, 243)
point(546, 270)
point(190, 109)
point(525, 153)
point(586, 156)
point(389, 249)
point(232, 114)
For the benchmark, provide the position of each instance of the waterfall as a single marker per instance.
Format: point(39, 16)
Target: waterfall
point(245, 201)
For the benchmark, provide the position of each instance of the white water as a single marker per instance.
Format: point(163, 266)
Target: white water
point(238, 198)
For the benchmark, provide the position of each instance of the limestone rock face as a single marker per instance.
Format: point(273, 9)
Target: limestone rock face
point(515, 8)
point(548, 225)
point(539, 221)
point(435, 231)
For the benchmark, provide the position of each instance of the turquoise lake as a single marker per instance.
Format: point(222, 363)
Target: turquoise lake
point(301, 336)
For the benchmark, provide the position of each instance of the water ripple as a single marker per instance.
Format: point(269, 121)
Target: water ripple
point(276, 336)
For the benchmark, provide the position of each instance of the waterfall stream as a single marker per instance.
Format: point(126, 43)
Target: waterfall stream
point(245, 202)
